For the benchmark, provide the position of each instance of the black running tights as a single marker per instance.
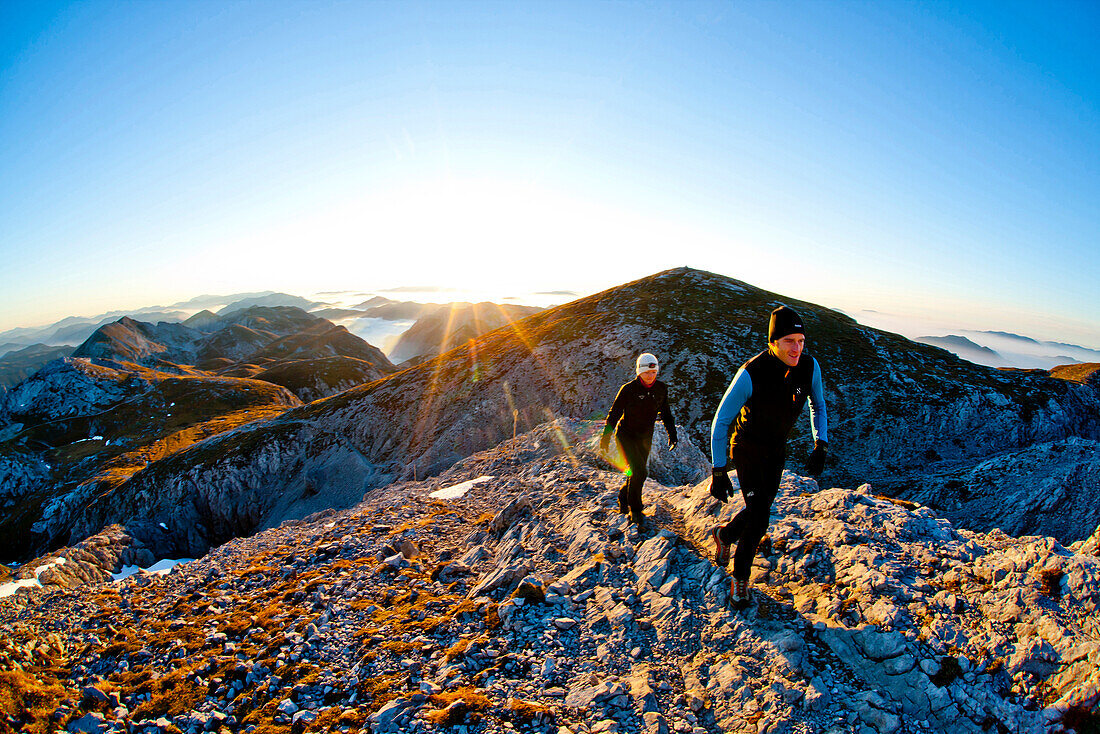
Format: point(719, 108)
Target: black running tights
point(758, 473)
point(636, 451)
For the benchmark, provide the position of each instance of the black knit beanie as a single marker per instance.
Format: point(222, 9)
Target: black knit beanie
point(784, 321)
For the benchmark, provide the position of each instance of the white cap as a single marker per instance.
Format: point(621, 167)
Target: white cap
point(645, 363)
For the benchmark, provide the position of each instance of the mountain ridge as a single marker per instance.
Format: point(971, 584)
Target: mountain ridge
point(894, 420)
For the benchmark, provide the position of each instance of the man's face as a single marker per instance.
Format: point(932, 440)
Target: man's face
point(789, 348)
point(648, 377)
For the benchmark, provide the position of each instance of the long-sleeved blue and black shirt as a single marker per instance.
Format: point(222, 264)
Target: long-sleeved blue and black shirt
point(763, 402)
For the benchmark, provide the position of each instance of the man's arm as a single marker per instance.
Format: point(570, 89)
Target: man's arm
point(736, 395)
point(819, 419)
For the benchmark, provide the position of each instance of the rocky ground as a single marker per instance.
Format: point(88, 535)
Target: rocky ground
point(528, 604)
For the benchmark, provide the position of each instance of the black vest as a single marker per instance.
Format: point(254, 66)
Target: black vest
point(779, 394)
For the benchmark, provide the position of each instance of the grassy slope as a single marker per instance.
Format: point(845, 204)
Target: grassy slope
point(1084, 372)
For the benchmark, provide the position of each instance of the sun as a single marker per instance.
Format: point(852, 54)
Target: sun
point(484, 235)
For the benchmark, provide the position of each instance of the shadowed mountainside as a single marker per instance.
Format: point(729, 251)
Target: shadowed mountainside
point(19, 364)
point(82, 429)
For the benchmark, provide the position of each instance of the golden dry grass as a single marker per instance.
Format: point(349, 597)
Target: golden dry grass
point(263, 719)
point(30, 700)
point(381, 689)
point(527, 711)
point(334, 718)
point(172, 694)
point(1075, 372)
point(474, 701)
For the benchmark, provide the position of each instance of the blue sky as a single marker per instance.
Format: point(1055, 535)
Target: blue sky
point(929, 159)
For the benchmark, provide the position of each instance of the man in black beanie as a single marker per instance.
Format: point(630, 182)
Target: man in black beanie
point(761, 406)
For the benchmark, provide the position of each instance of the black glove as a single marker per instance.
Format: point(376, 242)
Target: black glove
point(720, 485)
point(816, 461)
point(605, 442)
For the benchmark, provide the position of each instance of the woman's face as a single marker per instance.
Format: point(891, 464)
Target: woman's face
point(648, 377)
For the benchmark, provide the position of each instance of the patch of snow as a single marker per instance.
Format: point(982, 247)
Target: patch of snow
point(457, 490)
point(329, 525)
point(162, 525)
point(160, 568)
point(10, 588)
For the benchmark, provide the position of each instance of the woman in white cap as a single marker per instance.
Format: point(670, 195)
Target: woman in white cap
point(631, 418)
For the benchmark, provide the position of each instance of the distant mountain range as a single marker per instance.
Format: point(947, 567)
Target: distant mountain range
point(274, 299)
point(256, 335)
point(963, 347)
point(1004, 349)
point(75, 329)
point(212, 301)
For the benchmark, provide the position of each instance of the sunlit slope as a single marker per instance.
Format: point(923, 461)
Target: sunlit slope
point(311, 379)
point(454, 325)
point(1084, 372)
point(894, 405)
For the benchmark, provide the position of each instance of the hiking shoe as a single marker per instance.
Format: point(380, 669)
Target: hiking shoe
point(722, 552)
point(740, 596)
point(637, 518)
